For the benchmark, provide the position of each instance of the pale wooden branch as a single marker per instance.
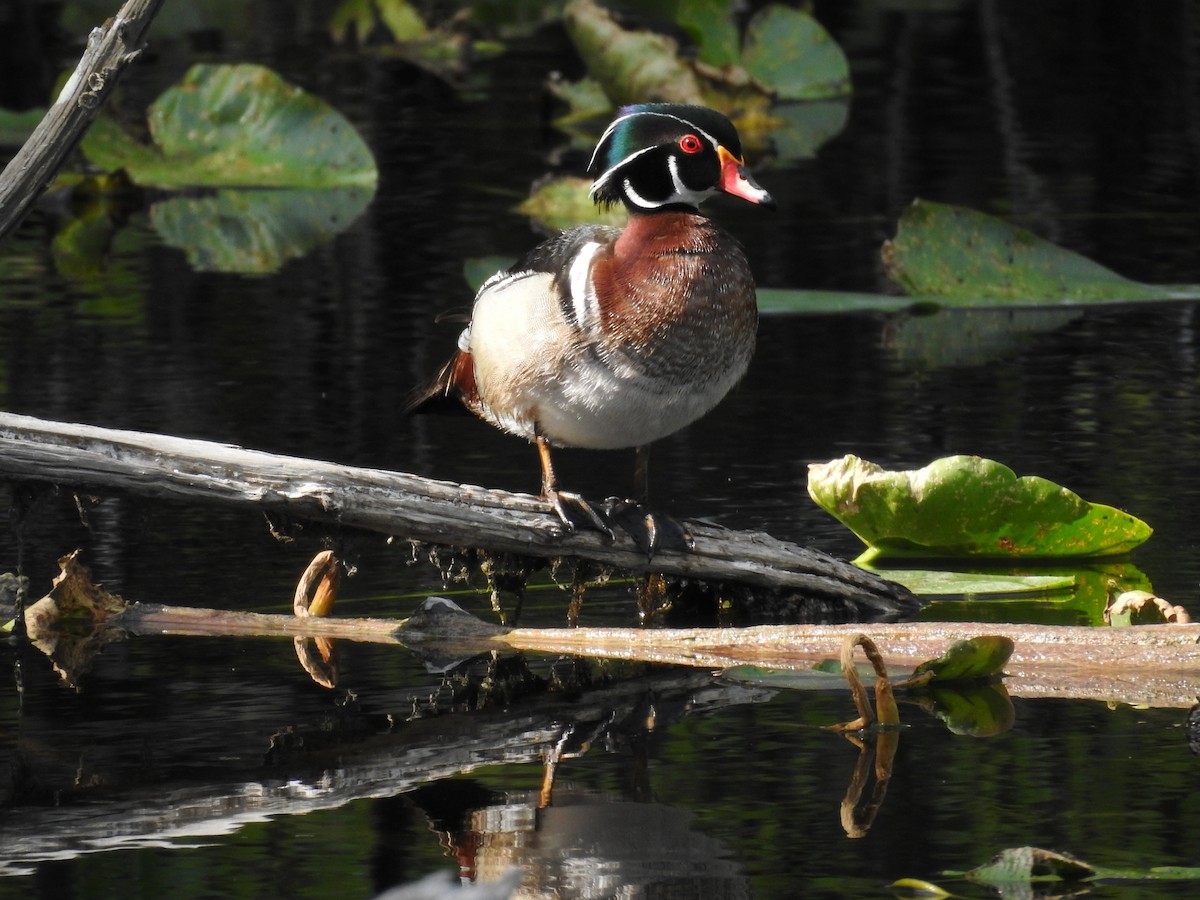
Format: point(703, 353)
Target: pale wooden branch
point(1154, 665)
point(111, 47)
point(420, 509)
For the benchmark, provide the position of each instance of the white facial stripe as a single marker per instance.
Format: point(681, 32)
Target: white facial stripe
point(603, 178)
point(636, 198)
point(683, 193)
point(609, 130)
point(583, 295)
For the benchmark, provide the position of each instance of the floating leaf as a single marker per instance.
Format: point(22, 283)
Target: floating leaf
point(949, 251)
point(255, 232)
point(978, 657)
point(585, 101)
point(632, 66)
point(977, 586)
point(788, 51)
point(967, 506)
point(711, 25)
point(237, 126)
point(561, 203)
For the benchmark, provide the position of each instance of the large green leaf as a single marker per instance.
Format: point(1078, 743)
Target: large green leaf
point(237, 126)
point(788, 50)
point(953, 252)
point(965, 506)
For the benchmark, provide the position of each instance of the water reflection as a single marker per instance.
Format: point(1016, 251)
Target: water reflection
point(951, 102)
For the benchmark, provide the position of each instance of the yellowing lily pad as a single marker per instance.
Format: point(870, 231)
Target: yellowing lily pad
point(966, 506)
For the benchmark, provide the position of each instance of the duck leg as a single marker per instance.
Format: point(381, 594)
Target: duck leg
point(572, 509)
point(649, 530)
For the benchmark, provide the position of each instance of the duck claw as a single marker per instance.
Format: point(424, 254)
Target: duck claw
point(575, 513)
point(649, 530)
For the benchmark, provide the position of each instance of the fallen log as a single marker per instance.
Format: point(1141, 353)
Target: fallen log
point(415, 508)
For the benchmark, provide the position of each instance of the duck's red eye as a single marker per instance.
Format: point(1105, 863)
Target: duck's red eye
point(689, 143)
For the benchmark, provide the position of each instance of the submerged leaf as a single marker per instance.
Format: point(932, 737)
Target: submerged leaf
point(950, 251)
point(967, 506)
point(237, 126)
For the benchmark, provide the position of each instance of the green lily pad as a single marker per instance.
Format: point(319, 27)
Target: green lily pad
point(976, 586)
point(561, 203)
point(788, 51)
point(953, 252)
point(237, 126)
point(711, 25)
point(965, 506)
point(255, 231)
point(978, 657)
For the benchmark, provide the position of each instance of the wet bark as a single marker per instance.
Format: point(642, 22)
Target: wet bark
point(111, 47)
point(415, 508)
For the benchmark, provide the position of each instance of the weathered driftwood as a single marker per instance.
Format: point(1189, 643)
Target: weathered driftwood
point(394, 503)
point(111, 47)
point(1155, 665)
point(1152, 665)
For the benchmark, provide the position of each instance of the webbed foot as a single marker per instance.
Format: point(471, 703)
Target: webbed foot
point(575, 513)
point(651, 531)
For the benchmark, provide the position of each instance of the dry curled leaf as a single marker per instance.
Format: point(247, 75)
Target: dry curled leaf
point(1130, 603)
point(318, 586)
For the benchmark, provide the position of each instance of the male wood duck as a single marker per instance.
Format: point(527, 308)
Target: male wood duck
point(609, 337)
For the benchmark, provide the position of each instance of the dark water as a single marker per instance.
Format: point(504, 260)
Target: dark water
point(1077, 120)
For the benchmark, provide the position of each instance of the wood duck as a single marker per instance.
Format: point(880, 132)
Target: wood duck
point(610, 337)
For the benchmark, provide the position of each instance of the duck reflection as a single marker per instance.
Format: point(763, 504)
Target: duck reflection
point(585, 844)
